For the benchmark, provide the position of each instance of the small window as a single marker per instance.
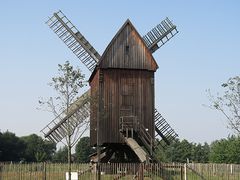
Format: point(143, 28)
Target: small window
point(127, 49)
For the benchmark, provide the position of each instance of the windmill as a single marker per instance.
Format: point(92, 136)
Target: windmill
point(123, 120)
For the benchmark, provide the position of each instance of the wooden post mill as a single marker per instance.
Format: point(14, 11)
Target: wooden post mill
point(124, 123)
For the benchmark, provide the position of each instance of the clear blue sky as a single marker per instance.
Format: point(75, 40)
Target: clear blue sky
point(204, 54)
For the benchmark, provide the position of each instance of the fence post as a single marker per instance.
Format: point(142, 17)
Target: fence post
point(181, 171)
point(185, 171)
point(228, 174)
point(0, 170)
point(141, 171)
point(98, 170)
point(44, 171)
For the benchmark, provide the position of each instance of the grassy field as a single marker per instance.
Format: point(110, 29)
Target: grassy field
point(173, 171)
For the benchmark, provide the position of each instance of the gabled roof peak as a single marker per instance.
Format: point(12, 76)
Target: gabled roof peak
point(127, 50)
point(128, 21)
point(116, 35)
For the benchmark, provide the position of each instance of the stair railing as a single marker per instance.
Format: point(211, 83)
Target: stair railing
point(146, 138)
point(131, 124)
point(127, 124)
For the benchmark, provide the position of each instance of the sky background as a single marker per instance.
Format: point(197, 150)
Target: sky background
point(203, 55)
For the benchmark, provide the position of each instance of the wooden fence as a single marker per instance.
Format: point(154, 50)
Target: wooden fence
point(111, 171)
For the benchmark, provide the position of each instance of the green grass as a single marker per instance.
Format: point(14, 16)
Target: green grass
point(57, 172)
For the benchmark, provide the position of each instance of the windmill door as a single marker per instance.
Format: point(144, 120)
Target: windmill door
point(127, 99)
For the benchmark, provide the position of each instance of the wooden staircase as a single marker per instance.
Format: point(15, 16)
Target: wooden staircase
point(135, 135)
point(132, 133)
point(130, 128)
point(139, 151)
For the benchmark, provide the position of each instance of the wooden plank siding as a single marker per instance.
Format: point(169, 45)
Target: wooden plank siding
point(124, 82)
point(94, 84)
point(125, 93)
point(128, 51)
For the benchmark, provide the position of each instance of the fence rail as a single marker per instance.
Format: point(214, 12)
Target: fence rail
point(111, 171)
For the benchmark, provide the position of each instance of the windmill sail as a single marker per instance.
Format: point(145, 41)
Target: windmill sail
point(64, 124)
point(75, 41)
point(160, 34)
point(163, 130)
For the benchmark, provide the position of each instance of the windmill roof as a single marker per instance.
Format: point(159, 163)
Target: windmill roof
point(127, 50)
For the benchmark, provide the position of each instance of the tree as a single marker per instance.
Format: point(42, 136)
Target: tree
point(229, 103)
point(206, 152)
point(11, 147)
point(83, 150)
point(180, 151)
point(67, 85)
point(200, 153)
point(226, 150)
point(37, 149)
point(61, 156)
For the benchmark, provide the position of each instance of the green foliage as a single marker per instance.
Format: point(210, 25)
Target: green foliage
point(11, 147)
point(61, 156)
point(200, 153)
point(220, 151)
point(33, 148)
point(83, 150)
point(67, 83)
point(226, 150)
point(229, 103)
point(180, 151)
point(37, 149)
